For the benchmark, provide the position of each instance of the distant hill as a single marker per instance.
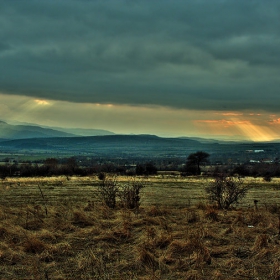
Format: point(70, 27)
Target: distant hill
point(27, 131)
point(224, 141)
point(111, 145)
point(8, 131)
point(85, 132)
point(139, 146)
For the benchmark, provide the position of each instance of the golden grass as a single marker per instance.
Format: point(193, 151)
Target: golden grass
point(80, 238)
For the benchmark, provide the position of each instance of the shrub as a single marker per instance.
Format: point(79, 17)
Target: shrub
point(226, 191)
point(130, 195)
point(102, 176)
point(108, 190)
point(267, 178)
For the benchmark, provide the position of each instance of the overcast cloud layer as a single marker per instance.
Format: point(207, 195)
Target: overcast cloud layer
point(195, 54)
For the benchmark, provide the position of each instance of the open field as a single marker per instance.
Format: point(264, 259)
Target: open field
point(160, 190)
point(57, 228)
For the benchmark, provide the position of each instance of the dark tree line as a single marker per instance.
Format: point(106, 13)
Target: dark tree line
point(85, 167)
point(50, 167)
point(266, 170)
point(69, 167)
point(146, 169)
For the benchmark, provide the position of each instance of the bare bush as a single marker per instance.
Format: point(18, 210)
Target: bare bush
point(127, 194)
point(226, 191)
point(130, 195)
point(108, 190)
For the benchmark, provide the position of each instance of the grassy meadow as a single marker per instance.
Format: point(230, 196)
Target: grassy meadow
point(58, 228)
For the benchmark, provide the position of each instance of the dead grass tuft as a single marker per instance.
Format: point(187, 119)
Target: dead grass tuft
point(193, 275)
point(61, 249)
point(242, 273)
point(34, 245)
point(146, 259)
point(220, 252)
point(155, 211)
point(273, 208)
point(9, 256)
point(192, 216)
point(275, 271)
point(163, 241)
point(179, 248)
point(217, 275)
point(93, 265)
point(108, 236)
point(33, 224)
point(212, 214)
point(261, 218)
point(123, 233)
point(48, 236)
point(3, 232)
point(202, 205)
point(89, 206)
point(240, 219)
point(81, 219)
point(228, 230)
point(261, 242)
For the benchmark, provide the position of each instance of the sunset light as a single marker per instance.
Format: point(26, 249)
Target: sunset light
point(41, 102)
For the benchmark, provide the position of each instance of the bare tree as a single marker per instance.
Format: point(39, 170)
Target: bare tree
point(226, 191)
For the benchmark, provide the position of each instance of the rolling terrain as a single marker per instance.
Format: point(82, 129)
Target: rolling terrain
point(29, 139)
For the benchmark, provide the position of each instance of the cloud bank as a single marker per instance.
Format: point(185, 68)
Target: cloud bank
point(196, 54)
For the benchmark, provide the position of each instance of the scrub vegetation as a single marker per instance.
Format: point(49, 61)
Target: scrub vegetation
point(60, 228)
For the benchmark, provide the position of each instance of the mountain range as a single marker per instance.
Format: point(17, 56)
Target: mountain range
point(32, 139)
point(27, 131)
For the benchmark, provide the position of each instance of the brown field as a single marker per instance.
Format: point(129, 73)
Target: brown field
point(57, 228)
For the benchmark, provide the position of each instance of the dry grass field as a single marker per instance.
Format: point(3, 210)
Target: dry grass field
point(57, 228)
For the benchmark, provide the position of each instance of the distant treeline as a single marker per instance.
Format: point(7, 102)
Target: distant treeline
point(74, 166)
point(265, 170)
point(70, 167)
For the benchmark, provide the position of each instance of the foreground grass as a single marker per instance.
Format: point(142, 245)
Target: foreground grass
point(41, 238)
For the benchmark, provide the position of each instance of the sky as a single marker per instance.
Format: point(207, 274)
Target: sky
point(195, 68)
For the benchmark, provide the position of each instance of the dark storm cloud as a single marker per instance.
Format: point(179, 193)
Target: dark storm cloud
point(188, 54)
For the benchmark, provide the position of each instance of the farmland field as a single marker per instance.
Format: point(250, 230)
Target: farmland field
point(159, 190)
point(58, 228)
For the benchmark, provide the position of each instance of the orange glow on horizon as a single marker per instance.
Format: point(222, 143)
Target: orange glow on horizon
point(246, 128)
point(225, 123)
point(232, 114)
point(257, 133)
